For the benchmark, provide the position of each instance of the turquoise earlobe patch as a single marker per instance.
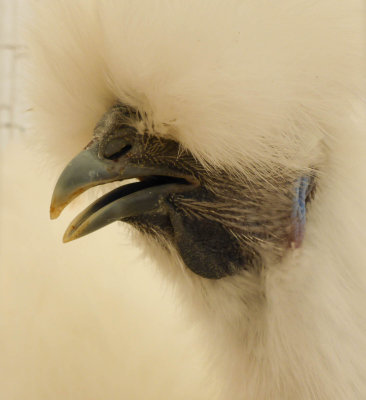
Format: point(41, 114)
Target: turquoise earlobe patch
point(303, 188)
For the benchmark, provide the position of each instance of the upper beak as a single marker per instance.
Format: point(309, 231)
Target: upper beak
point(83, 172)
point(95, 166)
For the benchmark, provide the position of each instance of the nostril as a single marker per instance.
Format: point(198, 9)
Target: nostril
point(116, 148)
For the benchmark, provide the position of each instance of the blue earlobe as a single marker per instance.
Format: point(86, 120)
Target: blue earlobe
point(302, 189)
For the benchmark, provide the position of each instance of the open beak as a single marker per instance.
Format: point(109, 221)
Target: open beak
point(98, 164)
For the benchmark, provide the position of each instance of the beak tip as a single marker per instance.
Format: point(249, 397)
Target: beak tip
point(67, 238)
point(70, 234)
point(55, 211)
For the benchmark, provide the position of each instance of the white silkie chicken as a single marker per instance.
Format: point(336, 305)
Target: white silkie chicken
point(243, 122)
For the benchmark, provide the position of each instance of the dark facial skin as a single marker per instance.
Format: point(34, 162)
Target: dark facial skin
point(223, 225)
point(205, 245)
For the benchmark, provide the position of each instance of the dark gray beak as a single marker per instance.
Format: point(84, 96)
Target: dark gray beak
point(111, 160)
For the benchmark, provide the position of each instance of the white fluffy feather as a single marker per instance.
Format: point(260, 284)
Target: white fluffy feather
point(237, 83)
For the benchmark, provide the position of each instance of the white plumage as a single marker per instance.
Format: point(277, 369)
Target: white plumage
point(245, 86)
